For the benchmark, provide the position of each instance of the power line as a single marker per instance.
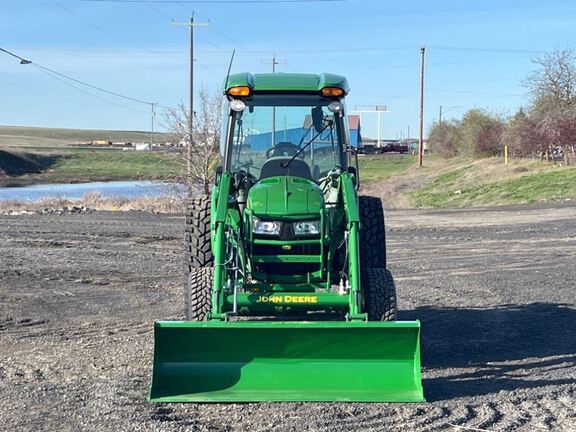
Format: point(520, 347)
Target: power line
point(107, 32)
point(68, 77)
point(273, 61)
point(216, 29)
point(22, 60)
point(96, 26)
point(159, 11)
point(185, 7)
point(87, 92)
point(121, 52)
point(474, 92)
point(491, 50)
point(191, 24)
point(35, 90)
point(213, 1)
point(93, 86)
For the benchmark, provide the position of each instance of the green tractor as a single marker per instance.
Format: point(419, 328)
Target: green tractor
point(288, 297)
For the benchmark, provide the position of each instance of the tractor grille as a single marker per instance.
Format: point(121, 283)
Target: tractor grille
point(287, 268)
point(312, 249)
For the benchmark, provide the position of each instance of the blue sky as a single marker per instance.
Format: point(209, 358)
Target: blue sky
point(478, 54)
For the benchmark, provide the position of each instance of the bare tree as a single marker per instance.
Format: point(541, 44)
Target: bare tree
point(201, 154)
point(553, 88)
point(555, 77)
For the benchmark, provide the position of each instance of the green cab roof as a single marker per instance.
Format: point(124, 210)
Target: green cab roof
point(287, 82)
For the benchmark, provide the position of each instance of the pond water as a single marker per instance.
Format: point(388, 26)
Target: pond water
point(128, 189)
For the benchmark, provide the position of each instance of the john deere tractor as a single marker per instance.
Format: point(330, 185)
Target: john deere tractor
point(287, 297)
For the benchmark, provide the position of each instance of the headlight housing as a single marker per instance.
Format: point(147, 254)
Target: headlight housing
point(266, 227)
point(307, 227)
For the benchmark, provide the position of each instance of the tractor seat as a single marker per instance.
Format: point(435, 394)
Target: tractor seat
point(273, 168)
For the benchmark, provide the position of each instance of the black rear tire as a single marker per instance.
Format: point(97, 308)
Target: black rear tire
point(198, 293)
point(379, 294)
point(197, 252)
point(372, 239)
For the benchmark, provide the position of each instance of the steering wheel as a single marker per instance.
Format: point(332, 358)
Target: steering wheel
point(284, 148)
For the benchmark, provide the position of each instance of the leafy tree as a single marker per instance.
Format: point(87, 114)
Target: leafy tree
point(481, 133)
point(444, 138)
point(522, 135)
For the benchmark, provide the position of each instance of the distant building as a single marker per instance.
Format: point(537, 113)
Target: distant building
point(355, 131)
point(142, 146)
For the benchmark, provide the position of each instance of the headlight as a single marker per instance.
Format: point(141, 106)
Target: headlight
point(307, 227)
point(266, 227)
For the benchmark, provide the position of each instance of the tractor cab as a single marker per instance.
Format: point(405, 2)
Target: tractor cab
point(300, 133)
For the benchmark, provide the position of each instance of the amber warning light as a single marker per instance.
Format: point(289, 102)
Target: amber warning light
point(332, 91)
point(239, 91)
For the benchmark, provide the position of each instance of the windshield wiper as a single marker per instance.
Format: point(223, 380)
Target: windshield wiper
point(285, 164)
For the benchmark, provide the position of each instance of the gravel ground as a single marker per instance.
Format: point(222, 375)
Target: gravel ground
point(494, 289)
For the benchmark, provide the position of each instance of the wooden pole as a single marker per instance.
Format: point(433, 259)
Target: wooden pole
point(421, 133)
point(191, 100)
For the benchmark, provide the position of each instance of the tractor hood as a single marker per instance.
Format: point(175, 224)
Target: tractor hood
point(285, 196)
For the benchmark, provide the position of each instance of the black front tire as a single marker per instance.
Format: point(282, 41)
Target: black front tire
point(379, 294)
point(197, 251)
point(372, 239)
point(198, 293)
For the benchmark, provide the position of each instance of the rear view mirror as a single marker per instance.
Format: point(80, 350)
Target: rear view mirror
point(318, 118)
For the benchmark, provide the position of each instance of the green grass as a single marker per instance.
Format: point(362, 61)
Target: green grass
point(77, 165)
point(117, 164)
point(530, 188)
point(378, 168)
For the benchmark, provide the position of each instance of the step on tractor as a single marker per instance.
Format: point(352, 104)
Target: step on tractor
point(287, 294)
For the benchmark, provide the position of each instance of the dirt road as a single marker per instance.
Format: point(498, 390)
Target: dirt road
point(494, 289)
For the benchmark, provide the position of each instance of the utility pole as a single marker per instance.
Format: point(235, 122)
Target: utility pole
point(152, 114)
point(274, 63)
point(440, 116)
point(421, 133)
point(191, 24)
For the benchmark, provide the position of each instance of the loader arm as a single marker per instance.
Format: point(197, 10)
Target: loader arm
point(219, 243)
point(352, 225)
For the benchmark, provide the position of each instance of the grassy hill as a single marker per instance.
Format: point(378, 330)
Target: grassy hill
point(489, 182)
point(27, 137)
point(463, 182)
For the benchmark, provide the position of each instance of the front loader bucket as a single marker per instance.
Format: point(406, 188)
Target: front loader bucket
point(286, 361)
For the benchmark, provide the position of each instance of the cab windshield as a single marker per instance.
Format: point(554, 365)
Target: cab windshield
point(287, 135)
